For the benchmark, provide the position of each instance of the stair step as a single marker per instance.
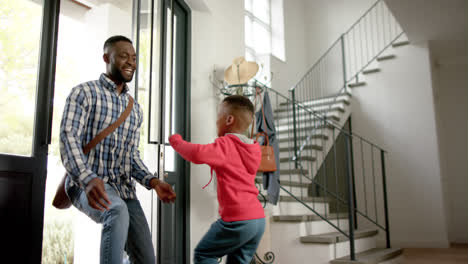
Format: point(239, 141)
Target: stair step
point(308, 147)
point(304, 158)
point(315, 136)
point(324, 97)
point(370, 71)
point(387, 57)
point(287, 183)
point(400, 43)
point(306, 218)
point(358, 84)
point(321, 102)
point(336, 106)
point(290, 130)
point(289, 171)
point(336, 237)
point(373, 256)
point(304, 118)
point(303, 113)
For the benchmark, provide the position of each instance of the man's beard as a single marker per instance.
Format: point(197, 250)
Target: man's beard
point(118, 76)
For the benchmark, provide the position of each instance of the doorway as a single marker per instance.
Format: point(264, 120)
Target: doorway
point(29, 152)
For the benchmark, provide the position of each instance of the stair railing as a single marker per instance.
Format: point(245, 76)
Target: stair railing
point(347, 57)
point(346, 184)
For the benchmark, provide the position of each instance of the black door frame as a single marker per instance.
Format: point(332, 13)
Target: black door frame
point(174, 220)
point(25, 177)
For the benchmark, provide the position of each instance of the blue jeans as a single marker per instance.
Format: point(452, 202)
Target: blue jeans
point(124, 228)
point(238, 240)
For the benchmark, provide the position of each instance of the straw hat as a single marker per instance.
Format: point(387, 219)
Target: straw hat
point(240, 71)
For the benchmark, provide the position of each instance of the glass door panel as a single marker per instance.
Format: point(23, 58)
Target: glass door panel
point(20, 37)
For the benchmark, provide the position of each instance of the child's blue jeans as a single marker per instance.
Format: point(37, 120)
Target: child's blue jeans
point(238, 240)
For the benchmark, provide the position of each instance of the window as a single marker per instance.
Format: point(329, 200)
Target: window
point(264, 33)
point(258, 29)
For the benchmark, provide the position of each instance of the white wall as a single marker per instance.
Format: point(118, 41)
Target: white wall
point(287, 73)
point(448, 19)
point(326, 20)
point(310, 29)
point(396, 111)
point(217, 38)
point(450, 65)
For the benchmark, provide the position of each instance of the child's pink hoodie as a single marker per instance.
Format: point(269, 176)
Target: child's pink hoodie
point(236, 164)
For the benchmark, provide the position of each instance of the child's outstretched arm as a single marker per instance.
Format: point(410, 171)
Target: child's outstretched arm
point(211, 154)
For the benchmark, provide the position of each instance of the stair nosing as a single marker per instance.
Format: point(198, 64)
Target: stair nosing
point(337, 237)
point(386, 57)
point(307, 218)
point(370, 71)
point(330, 109)
point(345, 101)
point(306, 158)
point(401, 43)
point(392, 253)
point(358, 84)
point(330, 96)
point(287, 183)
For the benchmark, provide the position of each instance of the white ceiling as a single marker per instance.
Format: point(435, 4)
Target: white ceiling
point(424, 20)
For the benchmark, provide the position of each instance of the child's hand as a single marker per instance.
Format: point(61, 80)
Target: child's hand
point(173, 138)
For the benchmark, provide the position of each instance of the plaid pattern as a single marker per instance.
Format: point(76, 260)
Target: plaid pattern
point(90, 108)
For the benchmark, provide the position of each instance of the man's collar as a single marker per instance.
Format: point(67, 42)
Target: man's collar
point(109, 84)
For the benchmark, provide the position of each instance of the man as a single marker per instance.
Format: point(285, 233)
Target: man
point(100, 183)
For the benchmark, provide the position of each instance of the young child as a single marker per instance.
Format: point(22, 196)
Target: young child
point(235, 159)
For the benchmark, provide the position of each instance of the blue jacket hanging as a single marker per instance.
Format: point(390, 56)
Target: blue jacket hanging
point(270, 179)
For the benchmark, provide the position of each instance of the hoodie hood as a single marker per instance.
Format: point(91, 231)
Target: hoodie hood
point(249, 153)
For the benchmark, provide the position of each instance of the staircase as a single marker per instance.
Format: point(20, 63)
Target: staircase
point(332, 179)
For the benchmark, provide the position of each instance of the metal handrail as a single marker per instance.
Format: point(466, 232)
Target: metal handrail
point(312, 112)
point(341, 202)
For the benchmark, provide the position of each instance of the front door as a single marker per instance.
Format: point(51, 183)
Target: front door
point(27, 69)
point(174, 220)
point(163, 37)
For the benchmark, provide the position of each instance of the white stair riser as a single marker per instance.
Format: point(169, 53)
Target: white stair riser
point(361, 244)
point(317, 108)
point(302, 118)
point(321, 227)
point(288, 249)
point(296, 208)
point(302, 113)
point(290, 144)
point(296, 191)
point(294, 178)
point(329, 100)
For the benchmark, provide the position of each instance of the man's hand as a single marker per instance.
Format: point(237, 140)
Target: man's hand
point(164, 190)
point(96, 194)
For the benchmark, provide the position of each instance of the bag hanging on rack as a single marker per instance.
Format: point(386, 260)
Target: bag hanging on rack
point(268, 161)
point(61, 199)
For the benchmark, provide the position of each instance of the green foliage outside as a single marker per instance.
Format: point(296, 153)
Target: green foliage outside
point(20, 27)
point(19, 46)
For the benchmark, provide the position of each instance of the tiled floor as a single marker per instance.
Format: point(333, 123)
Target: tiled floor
point(456, 254)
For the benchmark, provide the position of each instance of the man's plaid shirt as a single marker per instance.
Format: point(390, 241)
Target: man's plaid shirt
point(90, 108)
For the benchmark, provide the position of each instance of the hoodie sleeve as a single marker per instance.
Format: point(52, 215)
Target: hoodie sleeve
point(211, 154)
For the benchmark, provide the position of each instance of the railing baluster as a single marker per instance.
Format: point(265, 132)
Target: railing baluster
point(293, 92)
point(373, 178)
point(324, 164)
point(364, 176)
point(350, 201)
point(336, 177)
point(384, 182)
